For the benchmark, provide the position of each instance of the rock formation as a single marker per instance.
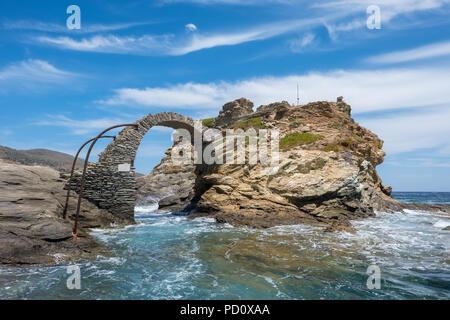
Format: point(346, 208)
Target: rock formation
point(172, 184)
point(32, 230)
point(326, 171)
point(233, 111)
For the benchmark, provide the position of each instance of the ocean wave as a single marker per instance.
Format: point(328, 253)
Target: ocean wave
point(168, 256)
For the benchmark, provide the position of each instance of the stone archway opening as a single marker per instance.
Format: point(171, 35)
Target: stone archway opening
point(165, 173)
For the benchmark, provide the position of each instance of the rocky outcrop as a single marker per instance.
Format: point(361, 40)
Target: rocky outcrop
point(168, 183)
point(32, 230)
point(326, 174)
point(232, 111)
point(326, 171)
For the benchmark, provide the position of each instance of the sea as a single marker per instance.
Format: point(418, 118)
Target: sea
point(168, 256)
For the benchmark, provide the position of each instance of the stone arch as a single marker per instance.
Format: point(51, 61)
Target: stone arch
point(115, 190)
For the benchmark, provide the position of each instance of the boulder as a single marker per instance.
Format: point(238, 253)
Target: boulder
point(232, 111)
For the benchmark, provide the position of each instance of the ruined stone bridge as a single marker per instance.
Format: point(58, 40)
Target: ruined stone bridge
point(111, 182)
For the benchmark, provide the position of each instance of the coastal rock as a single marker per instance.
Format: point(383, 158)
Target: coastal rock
point(32, 230)
point(232, 111)
point(342, 225)
point(326, 172)
point(170, 184)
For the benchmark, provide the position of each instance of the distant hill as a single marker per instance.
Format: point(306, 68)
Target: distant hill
point(43, 157)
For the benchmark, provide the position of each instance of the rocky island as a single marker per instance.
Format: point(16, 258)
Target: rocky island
point(326, 175)
point(327, 172)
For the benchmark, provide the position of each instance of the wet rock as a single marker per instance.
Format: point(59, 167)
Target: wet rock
point(341, 225)
point(32, 230)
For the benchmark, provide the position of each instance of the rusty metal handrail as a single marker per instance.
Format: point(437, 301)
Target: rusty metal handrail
point(83, 177)
point(73, 170)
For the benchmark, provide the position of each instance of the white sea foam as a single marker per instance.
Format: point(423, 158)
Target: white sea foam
point(441, 224)
point(146, 209)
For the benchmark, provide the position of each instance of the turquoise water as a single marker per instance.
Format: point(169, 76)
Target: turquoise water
point(171, 257)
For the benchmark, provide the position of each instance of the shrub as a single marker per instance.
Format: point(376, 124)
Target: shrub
point(331, 147)
point(348, 144)
point(320, 163)
point(255, 123)
point(293, 139)
point(208, 122)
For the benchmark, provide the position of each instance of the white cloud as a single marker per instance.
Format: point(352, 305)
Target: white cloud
point(143, 45)
point(171, 45)
point(404, 133)
point(335, 29)
point(62, 28)
point(389, 9)
point(31, 74)
point(79, 127)
point(421, 163)
point(183, 96)
point(337, 16)
point(365, 90)
point(424, 52)
point(299, 44)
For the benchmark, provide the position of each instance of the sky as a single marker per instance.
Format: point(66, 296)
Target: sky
point(59, 87)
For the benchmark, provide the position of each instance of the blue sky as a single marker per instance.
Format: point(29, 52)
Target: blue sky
point(59, 87)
